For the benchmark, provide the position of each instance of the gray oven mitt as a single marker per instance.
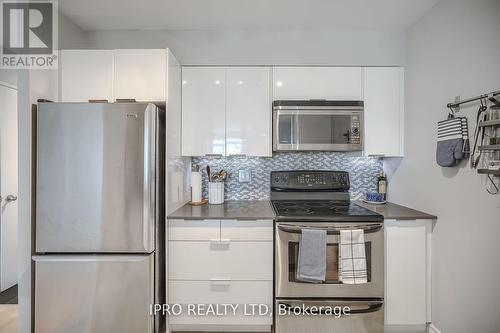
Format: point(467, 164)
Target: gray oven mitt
point(450, 142)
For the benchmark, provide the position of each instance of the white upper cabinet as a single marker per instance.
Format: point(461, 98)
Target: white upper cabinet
point(304, 83)
point(85, 75)
point(140, 74)
point(203, 111)
point(226, 111)
point(248, 111)
point(384, 110)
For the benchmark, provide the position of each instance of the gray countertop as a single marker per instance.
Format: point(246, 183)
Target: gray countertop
point(392, 211)
point(261, 210)
point(240, 210)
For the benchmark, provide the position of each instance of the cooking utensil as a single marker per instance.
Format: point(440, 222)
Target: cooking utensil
point(209, 174)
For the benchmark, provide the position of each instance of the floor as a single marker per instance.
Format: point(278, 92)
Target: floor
point(8, 318)
point(9, 296)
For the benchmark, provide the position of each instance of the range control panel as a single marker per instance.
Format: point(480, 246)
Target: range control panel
point(310, 180)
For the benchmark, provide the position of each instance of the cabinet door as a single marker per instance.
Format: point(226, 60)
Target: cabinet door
point(384, 110)
point(140, 74)
point(344, 83)
point(248, 111)
point(406, 272)
point(86, 74)
point(203, 111)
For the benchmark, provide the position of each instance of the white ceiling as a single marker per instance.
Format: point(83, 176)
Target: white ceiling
point(244, 14)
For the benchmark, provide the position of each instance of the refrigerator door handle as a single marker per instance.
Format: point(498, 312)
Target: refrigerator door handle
point(150, 116)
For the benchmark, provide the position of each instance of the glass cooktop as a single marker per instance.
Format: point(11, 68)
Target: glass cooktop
point(322, 210)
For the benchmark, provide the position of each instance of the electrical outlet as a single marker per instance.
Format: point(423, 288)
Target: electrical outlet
point(244, 176)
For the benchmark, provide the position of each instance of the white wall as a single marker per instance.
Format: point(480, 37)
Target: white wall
point(270, 47)
point(8, 76)
point(70, 36)
point(453, 50)
point(32, 85)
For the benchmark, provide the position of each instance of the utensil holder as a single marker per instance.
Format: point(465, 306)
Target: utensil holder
point(216, 193)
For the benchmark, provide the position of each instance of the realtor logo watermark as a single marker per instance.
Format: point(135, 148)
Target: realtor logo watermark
point(29, 34)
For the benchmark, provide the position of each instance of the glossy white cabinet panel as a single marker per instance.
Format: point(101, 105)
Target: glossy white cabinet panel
point(407, 272)
point(243, 230)
point(86, 74)
point(248, 111)
point(222, 292)
point(384, 110)
point(203, 111)
point(140, 74)
point(303, 83)
point(195, 260)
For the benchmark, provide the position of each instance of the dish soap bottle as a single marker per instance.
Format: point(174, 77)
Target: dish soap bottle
point(382, 185)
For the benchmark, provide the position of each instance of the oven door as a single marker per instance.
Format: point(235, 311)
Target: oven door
point(324, 130)
point(364, 317)
point(287, 250)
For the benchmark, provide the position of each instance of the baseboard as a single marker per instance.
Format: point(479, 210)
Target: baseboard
point(433, 329)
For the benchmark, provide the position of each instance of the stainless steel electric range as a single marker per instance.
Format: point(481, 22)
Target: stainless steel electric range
point(320, 200)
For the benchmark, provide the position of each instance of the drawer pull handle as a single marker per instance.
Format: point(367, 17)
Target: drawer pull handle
point(220, 281)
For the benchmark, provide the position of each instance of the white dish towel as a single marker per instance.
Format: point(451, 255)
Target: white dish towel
point(352, 257)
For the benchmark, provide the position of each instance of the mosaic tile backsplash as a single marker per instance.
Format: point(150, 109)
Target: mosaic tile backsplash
point(363, 171)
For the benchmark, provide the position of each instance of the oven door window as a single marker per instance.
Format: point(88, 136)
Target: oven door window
point(332, 262)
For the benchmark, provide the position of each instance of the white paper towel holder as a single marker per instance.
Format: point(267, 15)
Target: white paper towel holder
point(192, 203)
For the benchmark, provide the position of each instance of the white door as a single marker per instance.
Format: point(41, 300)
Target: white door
point(248, 111)
point(8, 187)
point(140, 74)
point(86, 74)
point(384, 110)
point(203, 111)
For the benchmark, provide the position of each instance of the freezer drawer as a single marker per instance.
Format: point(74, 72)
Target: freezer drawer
point(94, 294)
point(96, 177)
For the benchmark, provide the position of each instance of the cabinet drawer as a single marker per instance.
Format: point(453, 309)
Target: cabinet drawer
point(220, 260)
point(194, 230)
point(221, 292)
point(242, 230)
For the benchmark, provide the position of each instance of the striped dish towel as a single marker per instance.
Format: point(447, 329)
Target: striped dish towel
point(352, 257)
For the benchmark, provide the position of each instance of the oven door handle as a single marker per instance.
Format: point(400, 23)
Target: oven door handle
point(293, 229)
point(370, 307)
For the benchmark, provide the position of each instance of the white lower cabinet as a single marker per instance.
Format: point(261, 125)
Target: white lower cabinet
point(238, 293)
point(220, 263)
point(220, 259)
point(407, 273)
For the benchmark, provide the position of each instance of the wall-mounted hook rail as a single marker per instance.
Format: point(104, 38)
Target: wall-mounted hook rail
point(490, 96)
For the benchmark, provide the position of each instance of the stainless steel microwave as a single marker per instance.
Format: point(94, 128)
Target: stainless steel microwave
point(318, 125)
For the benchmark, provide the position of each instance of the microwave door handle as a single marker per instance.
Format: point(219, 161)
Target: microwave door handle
point(329, 230)
point(370, 307)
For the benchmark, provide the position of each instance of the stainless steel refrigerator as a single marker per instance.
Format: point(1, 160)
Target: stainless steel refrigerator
point(99, 222)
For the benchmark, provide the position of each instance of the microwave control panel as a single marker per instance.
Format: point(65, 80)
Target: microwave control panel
point(355, 130)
